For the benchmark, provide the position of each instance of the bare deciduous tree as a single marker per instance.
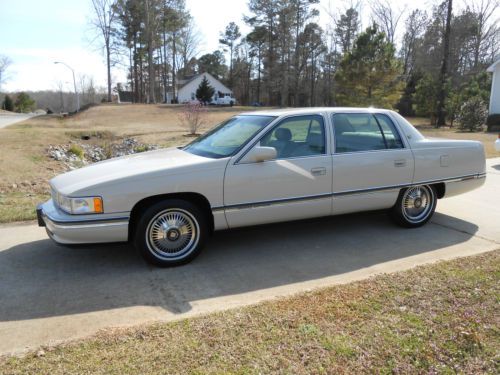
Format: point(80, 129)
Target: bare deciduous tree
point(387, 17)
point(5, 62)
point(416, 23)
point(104, 21)
point(189, 41)
point(487, 31)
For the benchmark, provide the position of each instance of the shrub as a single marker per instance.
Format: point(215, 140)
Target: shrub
point(141, 148)
point(472, 114)
point(76, 150)
point(193, 117)
point(493, 122)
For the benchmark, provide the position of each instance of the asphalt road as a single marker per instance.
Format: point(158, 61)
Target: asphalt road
point(50, 293)
point(6, 120)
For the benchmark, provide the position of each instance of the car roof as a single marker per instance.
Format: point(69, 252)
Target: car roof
point(300, 111)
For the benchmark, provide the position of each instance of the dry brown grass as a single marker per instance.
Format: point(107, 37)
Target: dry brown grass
point(441, 318)
point(488, 139)
point(25, 167)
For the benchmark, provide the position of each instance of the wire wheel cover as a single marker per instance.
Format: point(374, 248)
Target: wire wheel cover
point(417, 203)
point(172, 233)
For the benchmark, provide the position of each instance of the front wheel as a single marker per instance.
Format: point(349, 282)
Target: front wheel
point(415, 206)
point(170, 233)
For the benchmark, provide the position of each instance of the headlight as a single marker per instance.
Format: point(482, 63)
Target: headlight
point(79, 206)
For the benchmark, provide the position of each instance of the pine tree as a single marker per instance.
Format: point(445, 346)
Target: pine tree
point(24, 103)
point(205, 92)
point(8, 104)
point(369, 74)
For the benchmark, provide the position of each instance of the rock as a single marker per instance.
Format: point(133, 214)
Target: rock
point(95, 153)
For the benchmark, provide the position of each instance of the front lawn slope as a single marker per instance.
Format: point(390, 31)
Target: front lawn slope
point(441, 318)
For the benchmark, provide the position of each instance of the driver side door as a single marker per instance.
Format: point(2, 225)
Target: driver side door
point(295, 185)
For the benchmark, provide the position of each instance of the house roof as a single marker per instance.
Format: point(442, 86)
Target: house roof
point(492, 67)
point(201, 74)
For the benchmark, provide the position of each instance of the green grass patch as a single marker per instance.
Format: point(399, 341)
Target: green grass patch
point(18, 206)
point(441, 318)
point(77, 151)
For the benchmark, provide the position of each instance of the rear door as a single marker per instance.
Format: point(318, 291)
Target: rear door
point(371, 161)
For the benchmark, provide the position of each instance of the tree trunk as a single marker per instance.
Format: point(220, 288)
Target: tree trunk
point(165, 68)
point(174, 52)
point(231, 67)
point(136, 75)
point(271, 65)
point(312, 81)
point(441, 120)
point(130, 69)
point(108, 63)
point(151, 72)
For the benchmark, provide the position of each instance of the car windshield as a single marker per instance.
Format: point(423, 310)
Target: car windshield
point(229, 137)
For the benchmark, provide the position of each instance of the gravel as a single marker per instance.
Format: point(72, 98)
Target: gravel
point(93, 153)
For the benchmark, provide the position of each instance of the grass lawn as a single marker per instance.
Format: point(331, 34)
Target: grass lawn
point(25, 167)
point(440, 318)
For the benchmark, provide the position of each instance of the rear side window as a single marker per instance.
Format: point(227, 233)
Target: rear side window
point(391, 135)
point(356, 132)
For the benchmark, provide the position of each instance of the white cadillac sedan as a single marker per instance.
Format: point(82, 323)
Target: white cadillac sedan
point(258, 168)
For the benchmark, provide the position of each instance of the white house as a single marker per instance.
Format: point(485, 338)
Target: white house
point(187, 89)
point(494, 112)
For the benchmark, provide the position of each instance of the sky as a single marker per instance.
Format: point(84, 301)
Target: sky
point(35, 33)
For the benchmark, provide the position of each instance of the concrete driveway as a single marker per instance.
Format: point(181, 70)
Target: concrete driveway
point(50, 294)
point(10, 119)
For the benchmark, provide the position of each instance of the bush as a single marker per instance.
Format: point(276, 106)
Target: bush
point(493, 122)
point(193, 116)
point(76, 150)
point(473, 114)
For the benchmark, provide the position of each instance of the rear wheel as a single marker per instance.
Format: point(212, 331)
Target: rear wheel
point(170, 233)
point(415, 206)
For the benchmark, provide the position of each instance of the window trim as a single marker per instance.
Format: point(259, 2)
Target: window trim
point(334, 133)
point(278, 123)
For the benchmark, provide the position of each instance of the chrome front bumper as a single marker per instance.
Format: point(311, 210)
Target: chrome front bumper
point(80, 229)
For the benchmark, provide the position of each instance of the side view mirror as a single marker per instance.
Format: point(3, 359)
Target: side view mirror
point(259, 154)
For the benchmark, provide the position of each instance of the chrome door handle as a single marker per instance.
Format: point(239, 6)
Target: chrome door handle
point(400, 163)
point(320, 171)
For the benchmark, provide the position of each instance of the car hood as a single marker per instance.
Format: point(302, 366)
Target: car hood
point(125, 168)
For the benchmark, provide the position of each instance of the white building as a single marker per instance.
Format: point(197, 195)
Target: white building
point(494, 112)
point(495, 87)
point(187, 88)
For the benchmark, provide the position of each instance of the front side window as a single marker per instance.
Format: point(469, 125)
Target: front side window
point(228, 138)
point(297, 136)
point(356, 132)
